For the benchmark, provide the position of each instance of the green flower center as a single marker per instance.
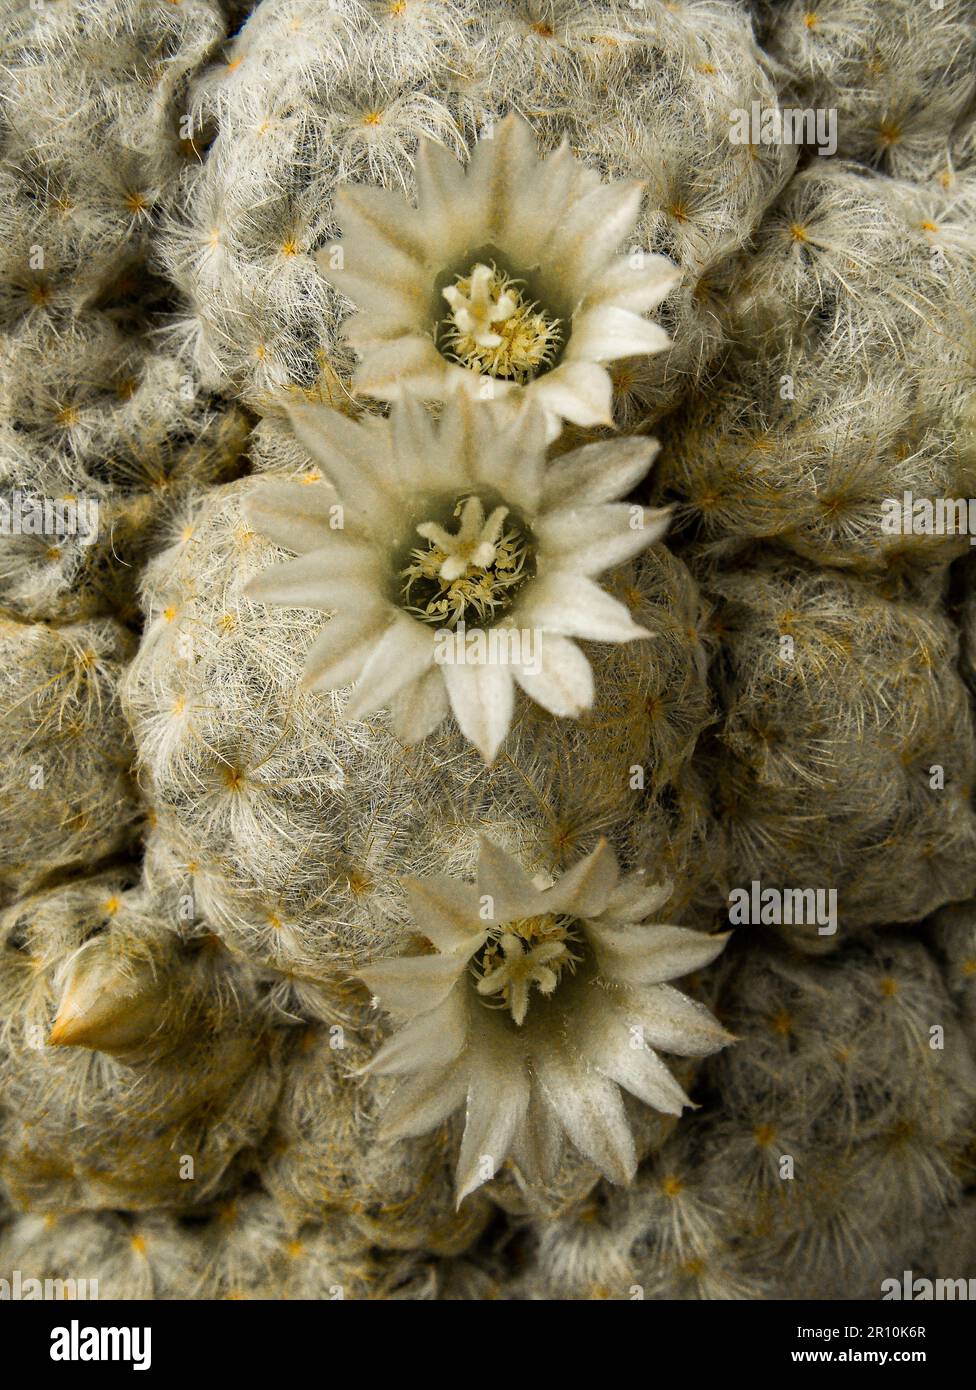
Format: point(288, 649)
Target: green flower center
point(495, 330)
point(532, 952)
point(472, 574)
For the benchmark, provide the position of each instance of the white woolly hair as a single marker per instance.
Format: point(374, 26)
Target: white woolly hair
point(834, 1075)
point(65, 771)
point(299, 824)
point(831, 746)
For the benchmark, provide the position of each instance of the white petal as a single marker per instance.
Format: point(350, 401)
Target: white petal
point(353, 459)
point(440, 187)
point(382, 237)
point(498, 1097)
point(537, 1145)
point(415, 443)
point(564, 683)
point(591, 1112)
point(594, 228)
point(341, 565)
point(599, 472)
point(467, 428)
point(606, 333)
point(446, 912)
point(376, 295)
point(590, 540)
point(420, 1103)
point(514, 458)
point(637, 284)
point(387, 221)
point(669, 1020)
point(365, 330)
point(432, 1040)
point(610, 1046)
point(500, 170)
point(296, 516)
point(420, 707)
point(634, 899)
point(405, 651)
point(570, 605)
point(412, 364)
point(649, 955)
point(482, 698)
point(512, 891)
point(584, 889)
point(338, 654)
point(580, 392)
point(411, 985)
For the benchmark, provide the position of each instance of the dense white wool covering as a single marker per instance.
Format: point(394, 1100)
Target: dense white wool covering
point(900, 76)
point(65, 767)
point(286, 1008)
point(311, 97)
point(296, 822)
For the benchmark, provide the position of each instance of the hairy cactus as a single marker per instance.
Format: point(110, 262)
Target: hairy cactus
point(455, 846)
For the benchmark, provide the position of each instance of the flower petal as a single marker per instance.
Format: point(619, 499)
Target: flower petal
point(383, 236)
point(584, 889)
point(640, 283)
point(511, 890)
point(420, 1103)
point(404, 652)
point(593, 229)
point(420, 707)
point(649, 955)
point(570, 605)
point(513, 458)
point(498, 1097)
point(409, 363)
point(337, 655)
point(440, 184)
point(634, 899)
point(482, 698)
point(411, 985)
point(446, 912)
point(430, 1040)
point(669, 1020)
point(606, 333)
point(625, 1058)
point(374, 294)
point(538, 1144)
point(590, 540)
point(599, 472)
point(563, 684)
point(499, 171)
point(381, 264)
point(415, 444)
point(580, 392)
point(321, 578)
point(352, 458)
point(590, 1110)
point(296, 516)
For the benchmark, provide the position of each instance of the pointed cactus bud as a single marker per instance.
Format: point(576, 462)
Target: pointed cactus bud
point(107, 1003)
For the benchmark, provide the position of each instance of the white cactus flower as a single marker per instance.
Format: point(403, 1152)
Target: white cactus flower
point(456, 564)
point(537, 1005)
point(503, 279)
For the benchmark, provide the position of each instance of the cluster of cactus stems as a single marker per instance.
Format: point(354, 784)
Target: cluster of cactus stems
point(487, 647)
